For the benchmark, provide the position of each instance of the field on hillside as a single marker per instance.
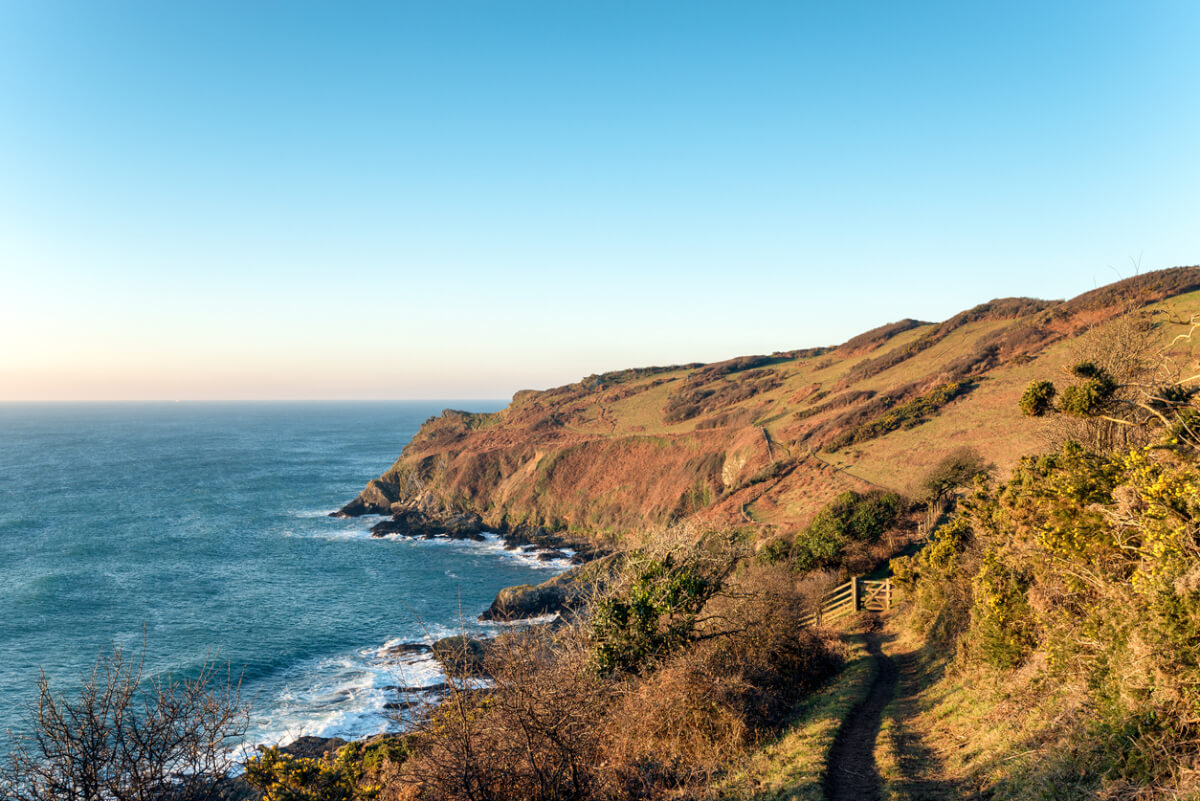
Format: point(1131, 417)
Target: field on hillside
point(763, 442)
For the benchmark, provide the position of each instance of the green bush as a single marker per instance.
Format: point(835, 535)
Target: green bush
point(1082, 569)
point(283, 777)
point(1038, 398)
point(816, 548)
point(1001, 617)
point(850, 517)
point(1090, 396)
point(654, 614)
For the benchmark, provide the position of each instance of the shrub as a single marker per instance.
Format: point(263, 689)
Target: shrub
point(551, 726)
point(851, 517)
point(905, 415)
point(1082, 570)
point(124, 737)
point(1001, 617)
point(1090, 396)
point(1038, 398)
point(654, 611)
point(283, 777)
point(534, 734)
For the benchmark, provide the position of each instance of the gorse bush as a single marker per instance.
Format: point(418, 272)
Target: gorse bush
point(354, 773)
point(1091, 395)
point(655, 612)
point(1038, 398)
point(1091, 563)
point(283, 777)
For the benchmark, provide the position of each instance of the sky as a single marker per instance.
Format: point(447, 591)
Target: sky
point(464, 198)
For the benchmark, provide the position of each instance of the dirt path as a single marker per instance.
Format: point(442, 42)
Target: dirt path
point(918, 774)
point(914, 771)
point(852, 773)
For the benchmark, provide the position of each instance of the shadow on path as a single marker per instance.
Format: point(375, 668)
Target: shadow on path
point(852, 773)
point(919, 767)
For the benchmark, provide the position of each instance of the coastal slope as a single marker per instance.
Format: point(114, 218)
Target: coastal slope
point(760, 442)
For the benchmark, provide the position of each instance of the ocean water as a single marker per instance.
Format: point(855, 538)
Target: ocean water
point(202, 530)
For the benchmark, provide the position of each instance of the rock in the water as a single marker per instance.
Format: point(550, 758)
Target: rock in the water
point(400, 705)
point(560, 594)
point(441, 687)
point(413, 523)
point(462, 656)
point(406, 649)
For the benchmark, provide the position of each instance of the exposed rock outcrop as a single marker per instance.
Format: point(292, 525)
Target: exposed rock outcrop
point(412, 523)
point(559, 595)
point(462, 656)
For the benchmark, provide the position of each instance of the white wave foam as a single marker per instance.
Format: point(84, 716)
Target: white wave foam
point(356, 695)
point(323, 527)
point(306, 514)
point(350, 696)
point(528, 555)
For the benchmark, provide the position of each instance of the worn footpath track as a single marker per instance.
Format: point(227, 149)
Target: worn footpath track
point(852, 774)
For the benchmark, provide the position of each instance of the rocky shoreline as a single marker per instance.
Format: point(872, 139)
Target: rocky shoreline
point(463, 657)
point(419, 520)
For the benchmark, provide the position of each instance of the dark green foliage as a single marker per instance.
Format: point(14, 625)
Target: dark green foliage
point(1038, 398)
point(816, 548)
point(957, 469)
point(906, 415)
point(850, 517)
point(1091, 395)
point(775, 551)
point(654, 615)
point(1174, 395)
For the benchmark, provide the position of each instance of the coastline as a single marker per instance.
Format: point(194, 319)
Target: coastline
point(421, 668)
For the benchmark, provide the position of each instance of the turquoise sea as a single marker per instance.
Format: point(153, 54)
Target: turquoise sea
point(202, 530)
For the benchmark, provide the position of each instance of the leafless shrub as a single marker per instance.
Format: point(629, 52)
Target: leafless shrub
point(125, 737)
point(531, 735)
point(1152, 386)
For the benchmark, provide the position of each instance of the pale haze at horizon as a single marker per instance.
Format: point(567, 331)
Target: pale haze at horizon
point(421, 200)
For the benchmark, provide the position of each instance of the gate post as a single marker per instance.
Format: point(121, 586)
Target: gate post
point(854, 592)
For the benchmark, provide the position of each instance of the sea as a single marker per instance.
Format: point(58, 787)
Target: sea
point(193, 533)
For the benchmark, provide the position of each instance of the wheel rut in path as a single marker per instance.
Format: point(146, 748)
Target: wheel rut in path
point(852, 774)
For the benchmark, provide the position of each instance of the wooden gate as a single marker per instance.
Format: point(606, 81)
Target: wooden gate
point(856, 595)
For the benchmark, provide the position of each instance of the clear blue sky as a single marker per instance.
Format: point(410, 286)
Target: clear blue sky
point(461, 199)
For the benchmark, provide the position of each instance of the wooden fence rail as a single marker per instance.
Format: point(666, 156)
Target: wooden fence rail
point(856, 595)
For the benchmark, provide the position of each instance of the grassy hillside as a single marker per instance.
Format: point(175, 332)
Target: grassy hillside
point(760, 442)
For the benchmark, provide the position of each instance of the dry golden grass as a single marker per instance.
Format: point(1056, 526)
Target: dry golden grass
point(792, 766)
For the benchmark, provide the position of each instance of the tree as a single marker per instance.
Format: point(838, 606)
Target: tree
point(123, 736)
point(958, 469)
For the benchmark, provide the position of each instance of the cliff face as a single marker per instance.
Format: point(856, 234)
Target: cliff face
point(760, 441)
